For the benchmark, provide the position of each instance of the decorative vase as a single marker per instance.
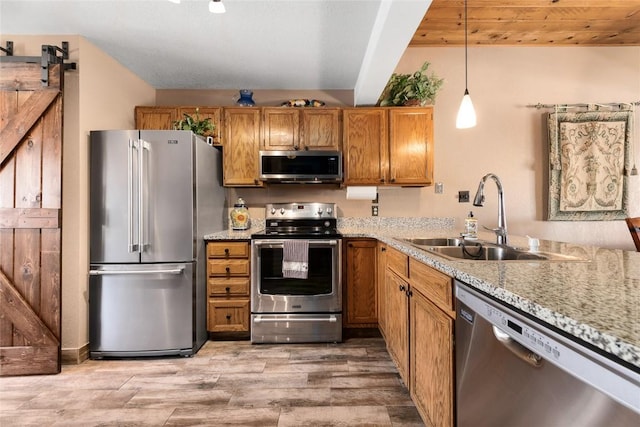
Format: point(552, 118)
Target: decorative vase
point(240, 219)
point(246, 98)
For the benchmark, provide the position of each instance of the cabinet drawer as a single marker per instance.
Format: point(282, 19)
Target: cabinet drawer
point(228, 315)
point(229, 267)
point(397, 261)
point(435, 285)
point(228, 250)
point(232, 286)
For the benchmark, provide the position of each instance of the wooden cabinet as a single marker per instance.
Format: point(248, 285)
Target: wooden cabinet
point(365, 146)
point(228, 286)
point(241, 148)
point(305, 129)
point(155, 117)
point(411, 146)
point(360, 293)
point(388, 146)
point(418, 326)
point(432, 359)
point(163, 117)
point(397, 310)
point(381, 259)
point(431, 326)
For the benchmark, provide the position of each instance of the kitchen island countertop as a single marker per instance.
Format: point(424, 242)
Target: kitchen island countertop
point(596, 301)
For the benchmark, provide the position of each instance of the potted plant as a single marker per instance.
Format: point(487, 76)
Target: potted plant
point(418, 88)
point(202, 127)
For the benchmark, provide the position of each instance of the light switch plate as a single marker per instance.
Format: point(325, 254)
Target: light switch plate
point(439, 188)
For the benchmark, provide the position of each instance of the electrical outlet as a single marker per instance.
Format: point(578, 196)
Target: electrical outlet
point(439, 188)
point(463, 196)
point(374, 210)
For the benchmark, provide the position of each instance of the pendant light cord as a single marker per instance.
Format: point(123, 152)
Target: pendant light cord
point(466, 83)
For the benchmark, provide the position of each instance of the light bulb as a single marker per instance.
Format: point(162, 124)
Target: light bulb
point(466, 114)
point(216, 6)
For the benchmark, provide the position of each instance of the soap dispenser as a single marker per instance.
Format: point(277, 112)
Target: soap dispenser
point(240, 219)
point(470, 227)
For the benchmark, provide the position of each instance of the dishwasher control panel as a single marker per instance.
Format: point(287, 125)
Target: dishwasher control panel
point(526, 335)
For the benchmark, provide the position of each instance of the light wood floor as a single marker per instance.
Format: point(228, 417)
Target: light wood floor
point(227, 383)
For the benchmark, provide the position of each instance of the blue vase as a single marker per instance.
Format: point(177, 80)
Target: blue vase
point(246, 98)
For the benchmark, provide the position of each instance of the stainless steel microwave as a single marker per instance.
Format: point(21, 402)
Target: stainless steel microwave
point(301, 166)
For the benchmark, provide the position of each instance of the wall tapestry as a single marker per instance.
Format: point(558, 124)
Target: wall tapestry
point(588, 164)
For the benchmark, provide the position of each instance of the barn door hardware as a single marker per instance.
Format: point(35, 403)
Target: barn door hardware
point(9, 49)
point(50, 56)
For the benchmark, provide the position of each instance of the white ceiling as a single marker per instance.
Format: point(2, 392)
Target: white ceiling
point(257, 44)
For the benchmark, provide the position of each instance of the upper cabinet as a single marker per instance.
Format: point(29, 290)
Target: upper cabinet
point(240, 153)
point(365, 146)
point(388, 146)
point(411, 146)
point(163, 117)
point(301, 129)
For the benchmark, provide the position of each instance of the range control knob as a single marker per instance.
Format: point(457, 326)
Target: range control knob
point(319, 211)
point(273, 211)
point(282, 211)
point(329, 210)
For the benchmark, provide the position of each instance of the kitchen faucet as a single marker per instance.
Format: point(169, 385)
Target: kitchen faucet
point(501, 231)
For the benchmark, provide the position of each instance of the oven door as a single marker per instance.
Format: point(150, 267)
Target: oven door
point(321, 292)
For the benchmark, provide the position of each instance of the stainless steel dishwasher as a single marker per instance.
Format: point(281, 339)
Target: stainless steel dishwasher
point(510, 371)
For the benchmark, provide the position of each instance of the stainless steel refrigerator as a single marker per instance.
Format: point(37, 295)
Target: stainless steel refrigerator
point(153, 197)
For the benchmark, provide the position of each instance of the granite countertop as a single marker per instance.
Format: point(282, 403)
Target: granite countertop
point(596, 301)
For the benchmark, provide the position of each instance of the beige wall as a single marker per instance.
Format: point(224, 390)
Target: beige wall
point(509, 139)
point(100, 94)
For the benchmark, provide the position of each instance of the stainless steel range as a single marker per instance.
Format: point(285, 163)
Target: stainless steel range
point(296, 275)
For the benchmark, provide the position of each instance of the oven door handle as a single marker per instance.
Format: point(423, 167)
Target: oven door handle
point(312, 242)
point(261, 319)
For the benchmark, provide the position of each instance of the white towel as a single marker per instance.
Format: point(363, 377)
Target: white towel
point(295, 259)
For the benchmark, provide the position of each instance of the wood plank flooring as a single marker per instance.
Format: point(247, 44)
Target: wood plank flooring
point(354, 383)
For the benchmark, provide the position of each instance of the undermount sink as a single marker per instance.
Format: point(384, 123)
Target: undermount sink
point(438, 241)
point(458, 248)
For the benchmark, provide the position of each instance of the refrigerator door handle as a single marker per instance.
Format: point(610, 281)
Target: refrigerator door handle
point(142, 190)
point(131, 245)
point(178, 270)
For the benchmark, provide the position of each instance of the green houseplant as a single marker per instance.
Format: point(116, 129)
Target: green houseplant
point(418, 88)
point(202, 127)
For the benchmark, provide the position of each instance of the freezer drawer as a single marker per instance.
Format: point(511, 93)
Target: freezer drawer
point(141, 310)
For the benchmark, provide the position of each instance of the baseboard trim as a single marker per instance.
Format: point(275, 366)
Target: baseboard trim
point(75, 356)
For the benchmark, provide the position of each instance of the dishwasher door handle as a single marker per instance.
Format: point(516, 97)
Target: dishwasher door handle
point(522, 352)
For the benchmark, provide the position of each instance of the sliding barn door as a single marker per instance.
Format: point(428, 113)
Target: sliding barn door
point(30, 218)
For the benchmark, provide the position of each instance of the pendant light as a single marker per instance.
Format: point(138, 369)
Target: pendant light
point(216, 6)
point(466, 113)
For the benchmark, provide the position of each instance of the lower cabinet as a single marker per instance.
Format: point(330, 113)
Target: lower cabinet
point(228, 286)
point(418, 327)
point(431, 361)
point(360, 277)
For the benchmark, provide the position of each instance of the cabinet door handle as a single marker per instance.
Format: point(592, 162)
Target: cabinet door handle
point(227, 289)
point(383, 249)
point(409, 292)
point(228, 269)
point(228, 317)
point(226, 251)
point(402, 288)
point(393, 180)
point(381, 179)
